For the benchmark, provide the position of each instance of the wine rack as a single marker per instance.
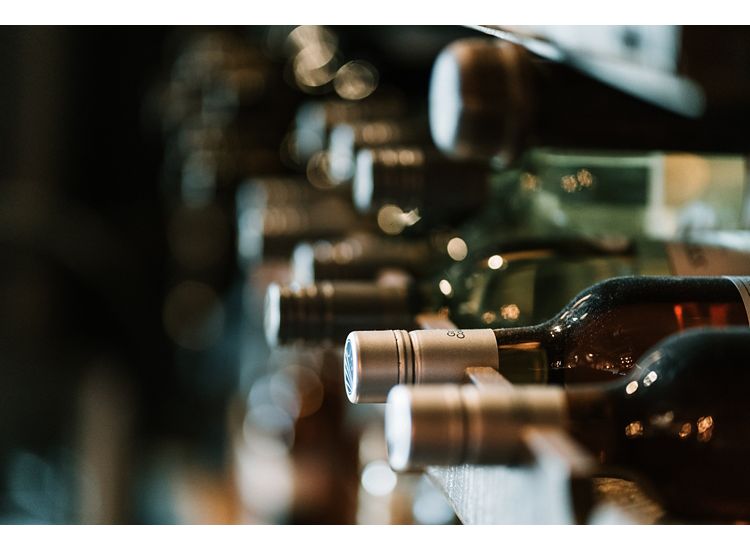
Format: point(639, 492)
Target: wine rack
point(179, 341)
point(558, 484)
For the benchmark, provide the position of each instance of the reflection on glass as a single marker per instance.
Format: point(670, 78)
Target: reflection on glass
point(510, 312)
point(650, 378)
point(705, 427)
point(685, 430)
point(634, 429)
point(495, 262)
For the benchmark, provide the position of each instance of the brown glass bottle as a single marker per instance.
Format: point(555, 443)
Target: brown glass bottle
point(598, 336)
point(494, 98)
point(443, 190)
point(679, 423)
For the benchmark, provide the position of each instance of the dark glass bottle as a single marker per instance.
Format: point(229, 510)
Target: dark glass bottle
point(598, 336)
point(442, 190)
point(495, 98)
point(330, 310)
point(347, 139)
point(679, 423)
point(513, 283)
point(361, 256)
point(315, 119)
point(275, 213)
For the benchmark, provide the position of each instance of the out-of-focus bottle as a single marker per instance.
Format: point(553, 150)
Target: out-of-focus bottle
point(509, 284)
point(363, 256)
point(315, 119)
point(274, 215)
point(655, 194)
point(495, 98)
point(347, 139)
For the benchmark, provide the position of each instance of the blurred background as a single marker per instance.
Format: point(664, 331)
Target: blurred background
point(136, 385)
point(167, 193)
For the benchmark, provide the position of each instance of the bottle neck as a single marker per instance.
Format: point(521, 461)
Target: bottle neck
point(586, 412)
point(523, 355)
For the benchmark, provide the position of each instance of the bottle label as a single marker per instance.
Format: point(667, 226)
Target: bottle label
point(695, 259)
point(743, 285)
point(694, 192)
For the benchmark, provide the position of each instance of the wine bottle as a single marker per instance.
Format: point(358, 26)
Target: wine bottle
point(360, 256)
point(275, 214)
point(314, 119)
point(495, 98)
point(329, 310)
point(598, 336)
point(347, 139)
point(514, 283)
point(678, 422)
point(655, 194)
point(417, 178)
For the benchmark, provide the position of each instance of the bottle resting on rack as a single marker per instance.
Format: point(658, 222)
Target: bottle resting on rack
point(442, 190)
point(597, 337)
point(326, 312)
point(494, 98)
point(518, 283)
point(348, 138)
point(361, 256)
point(275, 214)
point(678, 422)
point(330, 310)
point(656, 194)
point(315, 119)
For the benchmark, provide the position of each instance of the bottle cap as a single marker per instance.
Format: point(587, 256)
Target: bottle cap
point(421, 427)
point(478, 103)
point(327, 311)
point(273, 213)
point(314, 119)
point(375, 361)
point(465, 424)
point(348, 138)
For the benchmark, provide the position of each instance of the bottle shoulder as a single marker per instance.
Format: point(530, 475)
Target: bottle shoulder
point(643, 289)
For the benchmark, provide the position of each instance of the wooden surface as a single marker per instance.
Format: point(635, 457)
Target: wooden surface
point(492, 495)
point(559, 485)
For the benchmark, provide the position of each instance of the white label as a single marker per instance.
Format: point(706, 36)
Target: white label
point(743, 285)
point(694, 192)
point(694, 259)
